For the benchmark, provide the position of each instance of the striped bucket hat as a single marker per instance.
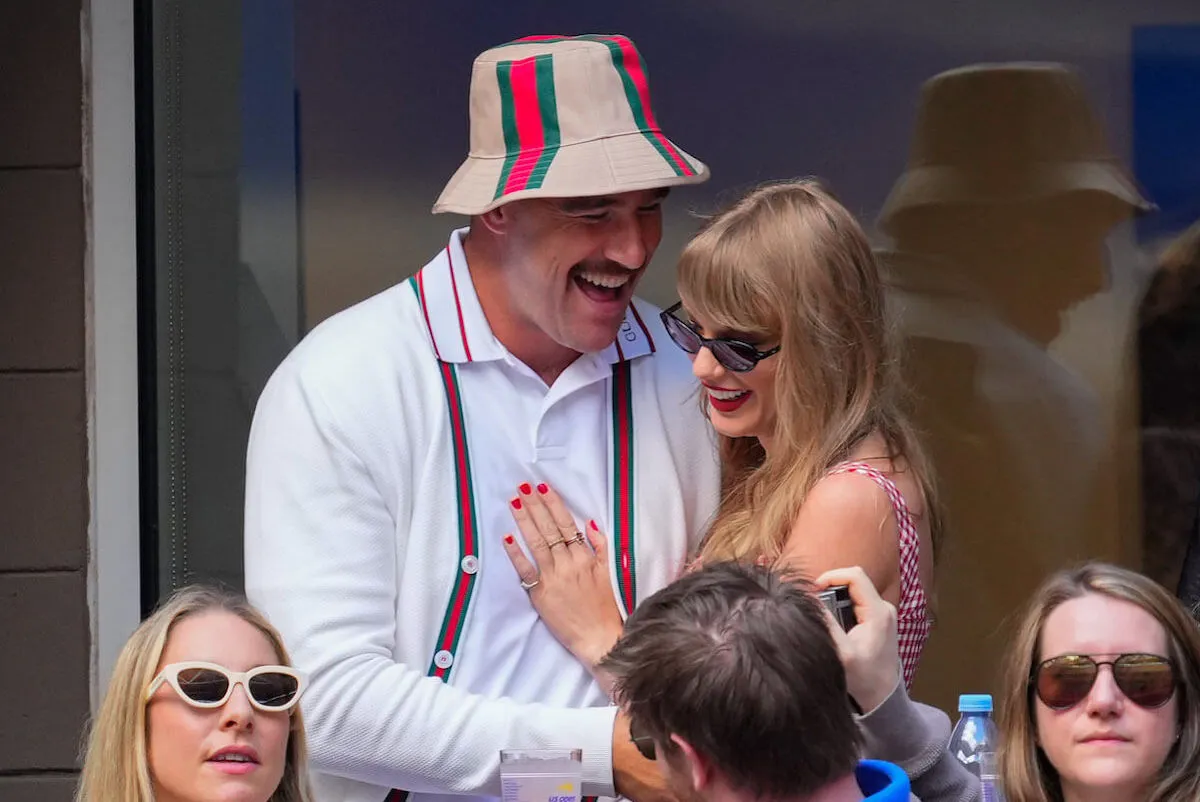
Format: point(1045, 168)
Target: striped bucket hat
point(563, 117)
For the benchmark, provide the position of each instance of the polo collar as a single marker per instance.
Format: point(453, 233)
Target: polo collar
point(460, 331)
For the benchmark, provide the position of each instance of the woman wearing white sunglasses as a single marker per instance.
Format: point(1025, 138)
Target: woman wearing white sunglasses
point(201, 706)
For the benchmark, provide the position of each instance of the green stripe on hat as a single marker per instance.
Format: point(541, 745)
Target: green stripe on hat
point(508, 120)
point(635, 90)
point(548, 105)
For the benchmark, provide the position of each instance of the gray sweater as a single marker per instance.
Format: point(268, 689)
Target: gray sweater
point(914, 737)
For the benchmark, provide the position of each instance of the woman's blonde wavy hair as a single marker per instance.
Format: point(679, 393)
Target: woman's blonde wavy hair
point(1026, 773)
point(115, 766)
point(789, 264)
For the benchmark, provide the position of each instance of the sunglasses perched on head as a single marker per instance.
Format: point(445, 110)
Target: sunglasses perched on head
point(643, 742)
point(270, 689)
point(1147, 680)
point(733, 355)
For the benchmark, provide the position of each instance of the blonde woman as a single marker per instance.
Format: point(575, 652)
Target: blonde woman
point(1102, 693)
point(202, 705)
point(782, 310)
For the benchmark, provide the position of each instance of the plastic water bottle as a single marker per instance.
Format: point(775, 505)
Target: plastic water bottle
point(975, 741)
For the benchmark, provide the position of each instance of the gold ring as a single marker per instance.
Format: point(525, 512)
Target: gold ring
point(558, 542)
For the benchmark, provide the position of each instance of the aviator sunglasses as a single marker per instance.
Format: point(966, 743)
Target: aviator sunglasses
point(1062, 682)
point(271, 689)
point(733, 355)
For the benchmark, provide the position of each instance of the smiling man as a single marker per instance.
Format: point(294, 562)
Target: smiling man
point(387, 447)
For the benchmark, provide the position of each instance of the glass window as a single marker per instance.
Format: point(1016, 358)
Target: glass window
point(1022, 169)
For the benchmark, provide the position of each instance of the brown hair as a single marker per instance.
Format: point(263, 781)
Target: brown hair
point(737, 661)
point(115, 767)
point(788, 263)
point(1026, 773)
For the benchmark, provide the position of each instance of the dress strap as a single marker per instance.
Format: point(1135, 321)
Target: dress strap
point(912, 612)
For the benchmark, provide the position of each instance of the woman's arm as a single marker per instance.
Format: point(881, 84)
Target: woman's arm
point(847, 520)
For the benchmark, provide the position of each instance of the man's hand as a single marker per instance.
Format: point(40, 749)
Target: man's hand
point(635, 777)
point(870, 651)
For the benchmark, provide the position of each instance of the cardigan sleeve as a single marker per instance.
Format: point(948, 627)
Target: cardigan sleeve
point(321, 544)
point(914, 737)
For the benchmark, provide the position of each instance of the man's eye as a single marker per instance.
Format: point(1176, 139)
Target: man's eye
point(651, 209)
point(599, 217)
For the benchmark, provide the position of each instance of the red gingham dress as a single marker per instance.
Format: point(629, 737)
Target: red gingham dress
point(912, 614)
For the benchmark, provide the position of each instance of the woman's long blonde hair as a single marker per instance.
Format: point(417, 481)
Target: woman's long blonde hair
point(789, 264)
point(1026, 774)
point(115, 767)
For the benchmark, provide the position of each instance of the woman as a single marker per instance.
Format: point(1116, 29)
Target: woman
point(1102, 693)
point(201, 706)
point(782, 311)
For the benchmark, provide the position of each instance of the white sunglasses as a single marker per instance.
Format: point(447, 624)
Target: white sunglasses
point(271, 689)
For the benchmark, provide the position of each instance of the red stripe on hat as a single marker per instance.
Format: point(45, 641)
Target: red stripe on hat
point(632, 62)
point(529, 123)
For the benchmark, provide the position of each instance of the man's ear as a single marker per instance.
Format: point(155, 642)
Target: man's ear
point(698, 767)
point(496, 221)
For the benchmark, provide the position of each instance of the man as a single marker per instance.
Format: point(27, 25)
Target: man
point(732, 680)
point(386, 448)
point(1000, 222)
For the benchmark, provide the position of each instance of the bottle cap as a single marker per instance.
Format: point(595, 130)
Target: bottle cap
point(975, 703)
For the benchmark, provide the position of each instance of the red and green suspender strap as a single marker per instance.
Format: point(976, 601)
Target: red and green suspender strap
point(623, 520)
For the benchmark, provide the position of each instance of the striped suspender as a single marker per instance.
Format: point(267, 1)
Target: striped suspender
point(622, 483)
point(450, 634)
point(468, 531)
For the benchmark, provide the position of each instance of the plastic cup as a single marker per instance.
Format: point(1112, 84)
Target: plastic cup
point(541, 775)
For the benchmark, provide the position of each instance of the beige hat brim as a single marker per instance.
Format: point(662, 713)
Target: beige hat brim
point(922, 187)
point(605, 166)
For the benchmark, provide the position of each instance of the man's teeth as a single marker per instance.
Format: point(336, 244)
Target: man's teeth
point(606, 280)
point(726, 395)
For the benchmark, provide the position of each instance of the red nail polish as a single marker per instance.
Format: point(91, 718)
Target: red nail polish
point(543, 489)
point(508, 539)
point(593, 525)
point(525, 489)
point(516, 502)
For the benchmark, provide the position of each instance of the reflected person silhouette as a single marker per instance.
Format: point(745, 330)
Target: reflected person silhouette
point(999, 225)
point(1168, 362)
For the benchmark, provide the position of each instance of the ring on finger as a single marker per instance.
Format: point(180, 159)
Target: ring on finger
point(558, 542)
point(579, 538)
point(531, 585)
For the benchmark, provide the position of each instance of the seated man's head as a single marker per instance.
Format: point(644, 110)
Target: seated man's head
point(732, 681)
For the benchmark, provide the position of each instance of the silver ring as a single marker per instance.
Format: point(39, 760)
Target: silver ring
point(531, 585)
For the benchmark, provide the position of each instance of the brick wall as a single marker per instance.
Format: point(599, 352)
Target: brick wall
point(43, 433)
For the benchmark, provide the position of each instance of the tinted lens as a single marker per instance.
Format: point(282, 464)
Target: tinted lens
point(735, 356)
point(1148, 680)
point(273, 689)
point(203, 685)
point(683, 336)
point(1064, 681)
